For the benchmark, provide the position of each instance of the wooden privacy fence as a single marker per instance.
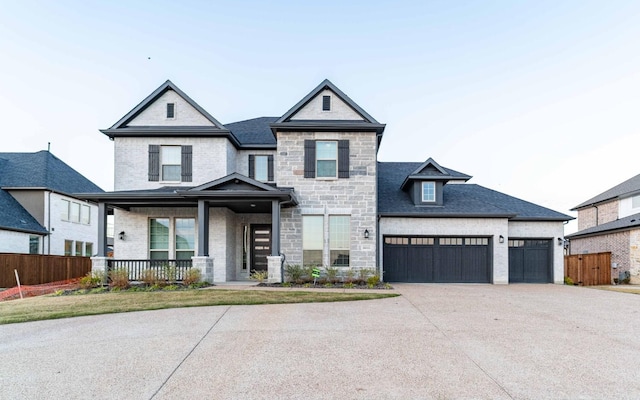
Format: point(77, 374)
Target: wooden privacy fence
point(35, 269)
point(589, 269)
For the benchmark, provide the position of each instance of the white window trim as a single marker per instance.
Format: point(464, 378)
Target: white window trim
point(422, 192)
point(162, 180)
point(327, 178)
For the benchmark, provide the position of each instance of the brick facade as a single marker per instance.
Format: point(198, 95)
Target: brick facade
point(616, 243)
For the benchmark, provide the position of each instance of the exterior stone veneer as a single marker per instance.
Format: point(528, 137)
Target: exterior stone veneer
point(355, 196)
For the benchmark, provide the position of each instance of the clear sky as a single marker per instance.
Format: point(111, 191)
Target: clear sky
point(536, 99)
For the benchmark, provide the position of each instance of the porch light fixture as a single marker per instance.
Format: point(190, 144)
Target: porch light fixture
point(501, 239)
point(121, 235)
point(366, 234)
point(560, 242)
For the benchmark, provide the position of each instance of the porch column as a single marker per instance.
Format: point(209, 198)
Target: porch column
point(102, 229)
point(203, 228)
point(275, 228)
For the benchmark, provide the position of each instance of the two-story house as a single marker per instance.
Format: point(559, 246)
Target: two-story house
point(610, 222)
point(39, 213)
point(233, 198)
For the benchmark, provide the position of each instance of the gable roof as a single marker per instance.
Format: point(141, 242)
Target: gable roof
point(368, 123)
point(121, 127)
point(626, 223)
point(243, 182)
point(628, 187)
point(14, 217)
point(459, 200)
point(42, 170)
point(431, 170)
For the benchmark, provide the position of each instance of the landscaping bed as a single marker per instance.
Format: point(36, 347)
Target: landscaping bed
point(328, 285)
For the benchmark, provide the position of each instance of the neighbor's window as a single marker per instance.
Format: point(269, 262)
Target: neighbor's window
point(68, 247)
point(312, 239)
point(262, 168)
point(170, 159)
point(85, 214)
point(79, 248)
point(34, 244)
point(428, 191)
point(326, 159)
point(159, 238)
point(75, 212)
point(88, 249)
point(339, 234)
point(185, 238)
point(171, 110)
point(65, 210)
point(635, 202)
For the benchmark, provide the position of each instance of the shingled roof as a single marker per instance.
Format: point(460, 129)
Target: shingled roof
point(626, 223)
point(459, 200)
point(254, 131)
point(627, 187)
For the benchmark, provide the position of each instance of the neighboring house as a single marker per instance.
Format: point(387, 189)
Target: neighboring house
point(39, 213)
point(232, 198)
point(610, 222)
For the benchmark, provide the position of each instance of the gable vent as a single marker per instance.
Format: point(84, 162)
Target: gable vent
point(326, 103)
point(171, 110)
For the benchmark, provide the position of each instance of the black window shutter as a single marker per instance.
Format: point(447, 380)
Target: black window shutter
point(187, 161)
point(326, 103)
point(309, 158)
point(343, 158)
point(252, 166)
point(154, 163)
point(270, 168)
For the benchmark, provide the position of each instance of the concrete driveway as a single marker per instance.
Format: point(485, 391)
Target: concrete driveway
point(435, 341)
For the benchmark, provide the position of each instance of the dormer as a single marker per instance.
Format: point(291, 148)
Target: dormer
point(425, 184)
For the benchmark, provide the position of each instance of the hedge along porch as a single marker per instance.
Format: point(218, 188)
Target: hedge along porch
point(235, 227)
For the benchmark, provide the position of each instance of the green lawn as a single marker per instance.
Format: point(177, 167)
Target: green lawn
point(52, 307)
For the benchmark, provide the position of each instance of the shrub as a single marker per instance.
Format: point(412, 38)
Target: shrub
point(294, 272)
point(349, 285)
point(364, 273)
point(568, 280)
point(191, 276)
point(373, 281)
point(91, 280)
point(150, 277)
point(308, 272)
point(259, 276)
point(332, 274)
point(170, 273)
point(350, 274)
point(119, 278)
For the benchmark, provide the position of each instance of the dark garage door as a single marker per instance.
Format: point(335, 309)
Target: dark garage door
point(530, 261)
point(440, 260)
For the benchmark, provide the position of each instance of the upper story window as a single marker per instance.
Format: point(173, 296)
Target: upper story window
point(85, 215)
point(326, 159)
point(326, 103)
point(635, 202)
point(170, 160)
point(75, 212)
point(261, 167)
point(428, 192)
point(170, 163)
point(171, 110)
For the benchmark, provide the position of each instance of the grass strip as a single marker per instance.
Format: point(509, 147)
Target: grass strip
point(54, 307)
point(621, 289)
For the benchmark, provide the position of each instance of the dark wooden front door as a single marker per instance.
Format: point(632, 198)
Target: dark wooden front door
point(260, 246)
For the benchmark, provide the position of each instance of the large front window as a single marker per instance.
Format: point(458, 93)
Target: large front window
point(159, 238)
point(170, 159)
point(326, 159)
point(312, 239)
point(339, 235)
point(185, 238)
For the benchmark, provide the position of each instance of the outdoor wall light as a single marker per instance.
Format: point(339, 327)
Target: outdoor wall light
point(501, 239)
point(121, 235)
point(560, 241)
point(366, 234)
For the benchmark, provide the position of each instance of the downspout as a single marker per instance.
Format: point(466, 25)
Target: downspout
point(49, 223)
point(597, 216)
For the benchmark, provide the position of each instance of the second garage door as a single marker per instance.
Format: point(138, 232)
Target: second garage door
point(530, 261)
point(439, 260)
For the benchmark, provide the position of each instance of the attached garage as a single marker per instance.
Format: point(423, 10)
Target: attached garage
point(530, 261)
point(437, 259)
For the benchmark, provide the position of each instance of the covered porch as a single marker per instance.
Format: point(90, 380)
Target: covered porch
point(235, 221)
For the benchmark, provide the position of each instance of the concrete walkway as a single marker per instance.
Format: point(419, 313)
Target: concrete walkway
point(435, 341)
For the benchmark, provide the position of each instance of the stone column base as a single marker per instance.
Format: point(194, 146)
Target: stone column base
point(274, 269)
point(205, 266)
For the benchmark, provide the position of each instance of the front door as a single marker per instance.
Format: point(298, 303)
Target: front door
point(260, 246)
